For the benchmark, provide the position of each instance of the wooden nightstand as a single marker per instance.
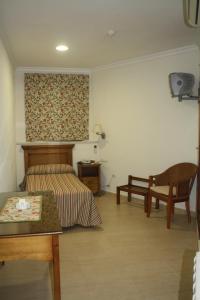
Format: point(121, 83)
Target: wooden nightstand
point(89, 174)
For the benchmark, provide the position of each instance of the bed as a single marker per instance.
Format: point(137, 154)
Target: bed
point(49, 167)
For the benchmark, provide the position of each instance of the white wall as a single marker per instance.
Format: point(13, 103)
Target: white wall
point(147, 130)
point(81, 150)
point(7, 124)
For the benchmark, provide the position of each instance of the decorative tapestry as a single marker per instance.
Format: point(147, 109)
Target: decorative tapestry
point(56, 107)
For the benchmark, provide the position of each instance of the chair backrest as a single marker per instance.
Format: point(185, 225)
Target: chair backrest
point(182, 174)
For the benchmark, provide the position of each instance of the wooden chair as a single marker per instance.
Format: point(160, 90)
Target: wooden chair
point(133, 188)
point(172, 186)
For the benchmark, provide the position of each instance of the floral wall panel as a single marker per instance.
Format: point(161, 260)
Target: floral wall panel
point(56, 107)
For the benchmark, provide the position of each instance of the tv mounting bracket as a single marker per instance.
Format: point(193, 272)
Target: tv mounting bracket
point(181, 98)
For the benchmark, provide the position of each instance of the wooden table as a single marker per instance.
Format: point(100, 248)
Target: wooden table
point(35, 240)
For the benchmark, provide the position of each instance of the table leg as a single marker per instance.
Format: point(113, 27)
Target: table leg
point(56, 267)
point(145, 203)
point(129, 197)
point(118, 195)
point(157, 204)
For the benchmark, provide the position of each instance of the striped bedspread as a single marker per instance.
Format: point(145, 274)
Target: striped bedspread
point(75, 202)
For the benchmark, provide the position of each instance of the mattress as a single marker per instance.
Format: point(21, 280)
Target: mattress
point(75, 202)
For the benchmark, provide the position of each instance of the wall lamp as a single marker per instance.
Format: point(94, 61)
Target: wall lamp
point(98, 130)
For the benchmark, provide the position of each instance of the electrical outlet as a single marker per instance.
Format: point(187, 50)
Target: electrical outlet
point(95, 149)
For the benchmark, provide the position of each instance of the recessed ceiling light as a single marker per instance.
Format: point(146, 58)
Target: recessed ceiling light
point(62, 48)
point(111, 32)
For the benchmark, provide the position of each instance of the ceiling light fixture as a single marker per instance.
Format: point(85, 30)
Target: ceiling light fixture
point(62, 48)
point(111, 32)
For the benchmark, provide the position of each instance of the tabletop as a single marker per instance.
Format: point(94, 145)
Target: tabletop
point(48, 223)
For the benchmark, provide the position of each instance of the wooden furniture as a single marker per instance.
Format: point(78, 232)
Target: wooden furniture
point(133, 188)
point(75, 203)
point(37, 240)
point(173, 186)
point(47, 154)
point(89, 174)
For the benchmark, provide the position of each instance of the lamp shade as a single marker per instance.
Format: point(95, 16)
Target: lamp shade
point(98, 129)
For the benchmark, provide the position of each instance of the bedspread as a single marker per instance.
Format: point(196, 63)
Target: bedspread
point(75, 202)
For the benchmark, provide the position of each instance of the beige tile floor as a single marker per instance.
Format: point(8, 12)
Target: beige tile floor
point(130, 257)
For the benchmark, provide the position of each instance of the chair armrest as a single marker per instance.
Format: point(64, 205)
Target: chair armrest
point(160, 179)
point(151, 180)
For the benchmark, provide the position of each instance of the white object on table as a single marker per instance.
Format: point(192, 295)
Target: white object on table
point(22, 204)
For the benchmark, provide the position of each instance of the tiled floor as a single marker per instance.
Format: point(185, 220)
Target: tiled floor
point(130, 257)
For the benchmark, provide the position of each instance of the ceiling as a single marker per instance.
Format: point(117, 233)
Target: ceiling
point(31, 29)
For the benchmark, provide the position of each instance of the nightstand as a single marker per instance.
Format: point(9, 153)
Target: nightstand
point(90, 175)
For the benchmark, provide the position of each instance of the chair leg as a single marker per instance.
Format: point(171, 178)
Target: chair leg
point(187, 206)
point(149, 203)
point(169, 213)
point(157, 204)
point(173, 205)
point(118, 195)
point(129, 197)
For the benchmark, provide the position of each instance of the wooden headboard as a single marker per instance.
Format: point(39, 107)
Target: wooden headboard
point(47, 154)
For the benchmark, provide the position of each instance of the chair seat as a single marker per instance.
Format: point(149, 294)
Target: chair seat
point(163, 189)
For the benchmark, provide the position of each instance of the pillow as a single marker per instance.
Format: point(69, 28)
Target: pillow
point(50, 169)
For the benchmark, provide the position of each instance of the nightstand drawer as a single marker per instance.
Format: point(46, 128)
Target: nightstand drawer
point(92, 183)
point(90, 180)
point(89, 174)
